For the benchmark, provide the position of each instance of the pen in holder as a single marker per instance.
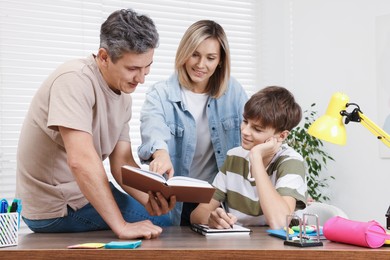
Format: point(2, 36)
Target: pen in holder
point(303, 239)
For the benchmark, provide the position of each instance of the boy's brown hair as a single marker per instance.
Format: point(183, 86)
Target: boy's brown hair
point(274, 107)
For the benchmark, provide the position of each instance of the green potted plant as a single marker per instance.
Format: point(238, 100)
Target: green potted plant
point(314, 155)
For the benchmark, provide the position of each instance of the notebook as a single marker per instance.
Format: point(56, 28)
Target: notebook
point(205, 230)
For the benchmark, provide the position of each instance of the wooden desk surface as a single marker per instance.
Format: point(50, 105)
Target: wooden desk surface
point(182, 243)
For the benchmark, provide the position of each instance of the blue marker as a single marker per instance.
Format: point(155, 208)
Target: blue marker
point(4, 206)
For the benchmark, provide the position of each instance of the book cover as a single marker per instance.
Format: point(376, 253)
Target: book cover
point(186, 189)
point(205, 230)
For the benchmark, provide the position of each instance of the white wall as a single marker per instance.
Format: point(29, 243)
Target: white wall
point(318, 47)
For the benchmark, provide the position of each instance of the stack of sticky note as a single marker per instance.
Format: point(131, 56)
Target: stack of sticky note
point(110, 245)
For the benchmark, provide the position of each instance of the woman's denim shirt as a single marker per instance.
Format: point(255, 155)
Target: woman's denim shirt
point(167, 124)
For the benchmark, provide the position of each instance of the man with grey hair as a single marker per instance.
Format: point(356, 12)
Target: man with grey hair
point(79, 117)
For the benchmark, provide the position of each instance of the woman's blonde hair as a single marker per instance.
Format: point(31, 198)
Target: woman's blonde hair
point(195, 35)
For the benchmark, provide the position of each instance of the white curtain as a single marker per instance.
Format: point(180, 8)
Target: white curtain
point(38, 35)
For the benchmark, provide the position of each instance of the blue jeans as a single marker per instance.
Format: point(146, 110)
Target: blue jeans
point(88, 219)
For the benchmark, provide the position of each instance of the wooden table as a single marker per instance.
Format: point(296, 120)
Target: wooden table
point(182, 243)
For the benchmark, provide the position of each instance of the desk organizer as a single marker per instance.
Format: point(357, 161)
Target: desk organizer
point(9, 229)
point(304, 240)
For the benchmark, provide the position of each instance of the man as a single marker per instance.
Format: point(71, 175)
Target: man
point(78, 118)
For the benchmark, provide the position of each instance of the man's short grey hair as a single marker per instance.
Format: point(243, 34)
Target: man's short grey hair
point(127, 31)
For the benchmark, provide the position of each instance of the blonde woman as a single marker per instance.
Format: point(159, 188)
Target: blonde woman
point(190, 120)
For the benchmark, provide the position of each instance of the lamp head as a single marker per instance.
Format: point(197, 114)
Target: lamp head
point(330, 127)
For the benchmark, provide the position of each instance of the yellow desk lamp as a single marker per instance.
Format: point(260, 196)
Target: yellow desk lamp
point(330, 127)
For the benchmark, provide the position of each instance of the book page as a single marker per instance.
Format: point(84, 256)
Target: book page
point(147, 173)
point(187, 181)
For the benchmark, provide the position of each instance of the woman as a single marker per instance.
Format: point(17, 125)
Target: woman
point(191, 120)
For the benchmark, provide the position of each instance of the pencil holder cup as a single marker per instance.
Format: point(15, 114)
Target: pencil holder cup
point(367, 234)
point(9, 226)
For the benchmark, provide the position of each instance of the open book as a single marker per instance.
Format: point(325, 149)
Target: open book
point(207, 231)
point(186, 189)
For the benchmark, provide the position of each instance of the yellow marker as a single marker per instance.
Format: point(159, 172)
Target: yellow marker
point(290, 231)
point(387, 242)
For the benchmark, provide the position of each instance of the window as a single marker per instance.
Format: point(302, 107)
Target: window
point(38, 35)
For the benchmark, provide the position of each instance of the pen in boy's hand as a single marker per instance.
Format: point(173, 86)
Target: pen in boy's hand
point(225, 209)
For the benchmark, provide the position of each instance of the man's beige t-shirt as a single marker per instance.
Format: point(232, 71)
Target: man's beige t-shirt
point(74, 96)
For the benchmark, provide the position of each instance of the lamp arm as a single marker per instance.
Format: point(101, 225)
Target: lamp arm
point(375, 129)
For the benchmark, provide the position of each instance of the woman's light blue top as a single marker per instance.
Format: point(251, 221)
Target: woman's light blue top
point(167, 124)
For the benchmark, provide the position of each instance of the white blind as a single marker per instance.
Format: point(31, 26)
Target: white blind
point(38, 35)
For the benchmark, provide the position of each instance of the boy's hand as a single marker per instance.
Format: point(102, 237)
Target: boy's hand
point(221, 220)
point(266, 149)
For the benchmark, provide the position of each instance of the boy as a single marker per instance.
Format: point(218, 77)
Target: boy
point(262, 180)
